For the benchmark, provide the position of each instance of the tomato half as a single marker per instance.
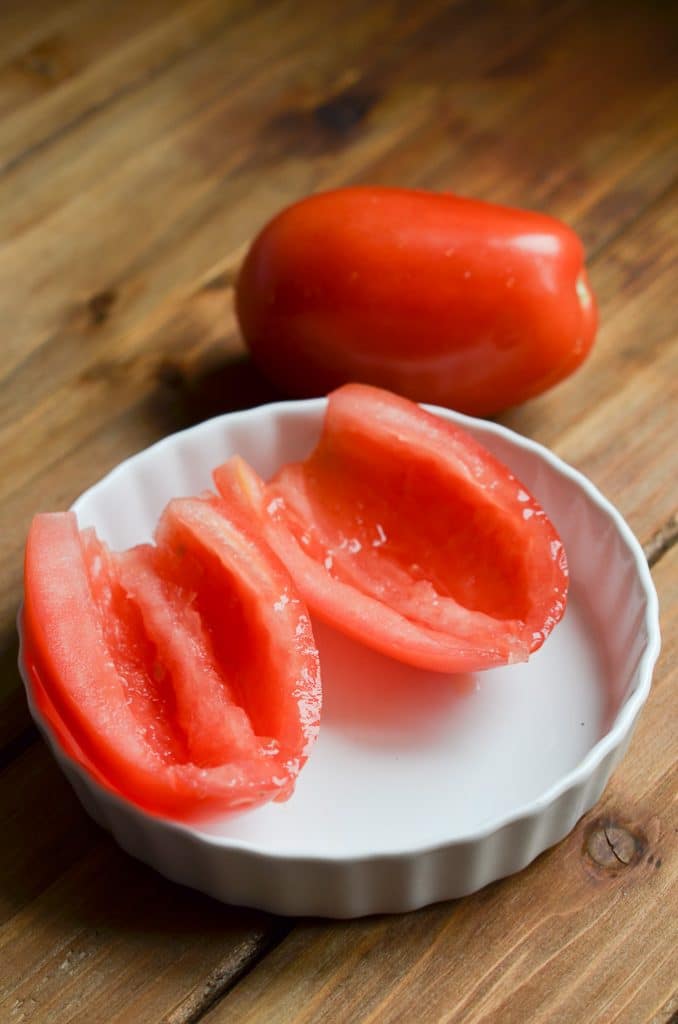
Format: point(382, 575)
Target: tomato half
point(128, 672)
point(443, 299)
point(404, 532)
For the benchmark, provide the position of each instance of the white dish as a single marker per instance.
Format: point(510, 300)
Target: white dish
point(421, 787)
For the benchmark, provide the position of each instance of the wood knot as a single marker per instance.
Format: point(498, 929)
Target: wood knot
point(613, 846)
point(340, 114)
point(100, 305)
point(322, 128)
point(47, 63)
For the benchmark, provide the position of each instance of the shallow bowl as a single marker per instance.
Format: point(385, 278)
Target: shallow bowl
point(421, 787)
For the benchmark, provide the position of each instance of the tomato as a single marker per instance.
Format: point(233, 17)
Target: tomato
point(404, 532)
point(184, 675)
point(51, 715)
point(446, 300)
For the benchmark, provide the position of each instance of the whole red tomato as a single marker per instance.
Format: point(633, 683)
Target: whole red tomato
point(446, 300)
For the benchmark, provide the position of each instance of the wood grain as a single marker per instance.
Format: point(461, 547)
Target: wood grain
point(87, 934)
point(109, 51)
point(23, 26)
point(83, 36)
point(141, 146)
point(161, 952)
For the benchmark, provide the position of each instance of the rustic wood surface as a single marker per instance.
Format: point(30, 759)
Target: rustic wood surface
point(141, 146)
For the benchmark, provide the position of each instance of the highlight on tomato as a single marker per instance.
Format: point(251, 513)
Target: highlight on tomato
point(442, 299)
point(182, 675)
point(404, 532)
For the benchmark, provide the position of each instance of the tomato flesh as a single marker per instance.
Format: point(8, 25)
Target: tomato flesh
point(126, 673)
point(403, 531)
point(62, 734)
point(258, 625)
point(205, 708)
point(148, 690)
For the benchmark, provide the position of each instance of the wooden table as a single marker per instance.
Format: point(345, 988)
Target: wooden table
point(141, 146)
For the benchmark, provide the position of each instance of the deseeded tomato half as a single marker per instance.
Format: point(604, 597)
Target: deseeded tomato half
point(404, 532)
point(440, 298)
point(182, 675)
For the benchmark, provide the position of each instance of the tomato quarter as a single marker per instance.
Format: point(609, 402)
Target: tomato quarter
point(182, 675)
point(404, 532)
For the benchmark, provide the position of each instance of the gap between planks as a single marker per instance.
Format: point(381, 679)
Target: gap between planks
point(661, 541)
point(220, 981)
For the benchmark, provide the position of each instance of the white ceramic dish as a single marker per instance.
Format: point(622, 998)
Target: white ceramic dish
point(421, 787)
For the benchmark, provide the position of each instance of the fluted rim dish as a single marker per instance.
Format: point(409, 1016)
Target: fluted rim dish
point(592, 770)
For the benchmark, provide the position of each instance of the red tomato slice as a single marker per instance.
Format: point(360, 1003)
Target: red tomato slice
point(257, 623)
point(129, 681)
point(404, 532)
point(149, 692)
point(50, 714)
point(205, 708)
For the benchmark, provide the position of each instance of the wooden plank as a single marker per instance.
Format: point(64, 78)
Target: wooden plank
point(23, 25)
point(130, 99)
point(63, 48)
point(87, 934)
point(112, 941)
point(579, 935)
point(170, 189)
point(31, 858)
point(110, 51)
point(181, 67)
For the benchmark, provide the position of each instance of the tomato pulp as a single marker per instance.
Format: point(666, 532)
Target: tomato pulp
point(443, 299)
point(182, 675)
point(404, 532)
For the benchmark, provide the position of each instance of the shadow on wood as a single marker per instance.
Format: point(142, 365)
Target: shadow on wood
point(186, 396)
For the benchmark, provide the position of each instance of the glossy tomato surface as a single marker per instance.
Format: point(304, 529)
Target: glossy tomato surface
point(138, 660)
point(443, 299)
point(404, 532)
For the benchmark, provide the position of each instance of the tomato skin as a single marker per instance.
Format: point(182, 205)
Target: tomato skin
point(442, 299)
point(404, 532)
